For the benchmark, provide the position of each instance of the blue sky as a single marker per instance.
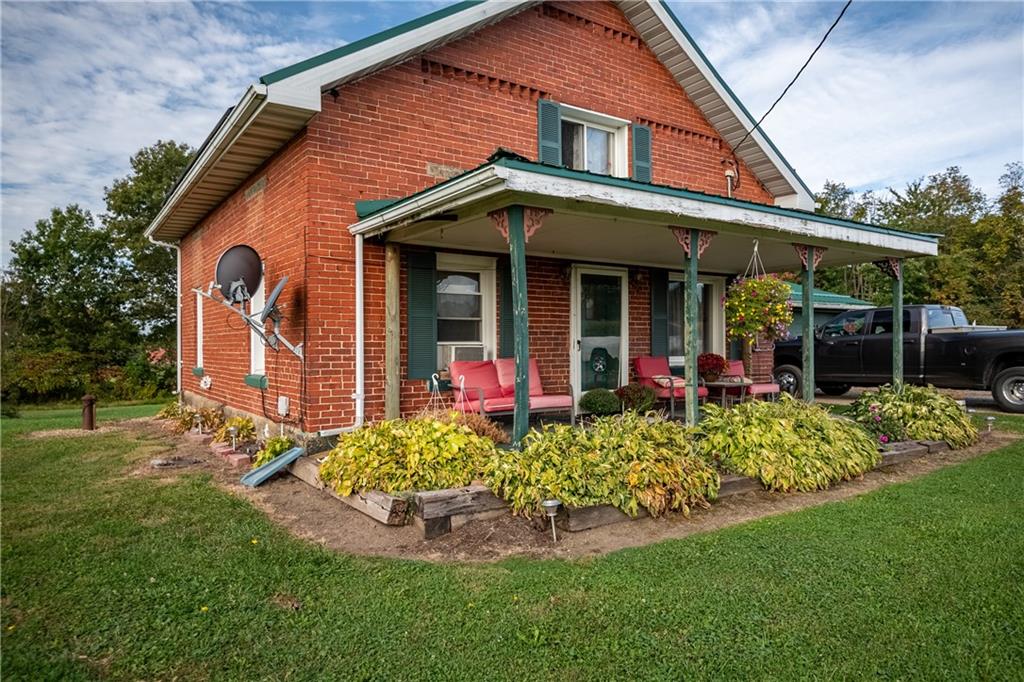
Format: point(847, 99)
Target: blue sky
point(902, 89)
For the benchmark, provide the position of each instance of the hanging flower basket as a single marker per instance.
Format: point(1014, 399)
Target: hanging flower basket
point(758, 310)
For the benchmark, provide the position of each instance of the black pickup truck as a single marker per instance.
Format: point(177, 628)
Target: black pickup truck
point(939, 348)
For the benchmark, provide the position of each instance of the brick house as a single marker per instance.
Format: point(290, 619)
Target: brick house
point(413, 185)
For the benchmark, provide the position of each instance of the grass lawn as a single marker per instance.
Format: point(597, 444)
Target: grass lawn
point(110, 575)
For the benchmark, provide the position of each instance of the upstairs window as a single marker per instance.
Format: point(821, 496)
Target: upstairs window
point(587, 147)
point(589, 141)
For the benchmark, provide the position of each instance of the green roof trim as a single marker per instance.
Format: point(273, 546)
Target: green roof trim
point(368, 41)
point(709, 198)
point(732, 94)
point(367, 207)
point(507, 159)
point(823, 298)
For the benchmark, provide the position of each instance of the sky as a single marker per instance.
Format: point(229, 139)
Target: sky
point(900, 90)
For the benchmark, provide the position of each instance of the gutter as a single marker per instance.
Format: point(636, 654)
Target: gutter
point(177, 307)
point(218, 144)
point(359, 396)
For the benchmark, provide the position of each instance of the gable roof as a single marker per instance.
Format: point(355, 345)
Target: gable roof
point(283, 102)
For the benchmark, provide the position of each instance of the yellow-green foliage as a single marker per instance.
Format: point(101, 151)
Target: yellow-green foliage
point(789, 445)
point(274, 447)
point(403, 455)
point(622, 460)
point(211, 418)
point(246, 430)
point(914, 413)
point(169, 411)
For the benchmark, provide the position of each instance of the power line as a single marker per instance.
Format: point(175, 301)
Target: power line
point(779, 99)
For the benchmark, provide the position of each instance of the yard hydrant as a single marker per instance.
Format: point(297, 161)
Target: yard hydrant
point(89, 412)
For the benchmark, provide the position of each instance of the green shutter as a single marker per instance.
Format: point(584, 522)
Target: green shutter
point(641, 153)
point(549, 132)
point(422, 314)
point(659, 312)
point(506, 330)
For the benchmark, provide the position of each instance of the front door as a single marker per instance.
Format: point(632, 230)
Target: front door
point(600, 341)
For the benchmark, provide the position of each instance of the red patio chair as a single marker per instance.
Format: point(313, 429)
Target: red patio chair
point(735, 369)
point(655, 372)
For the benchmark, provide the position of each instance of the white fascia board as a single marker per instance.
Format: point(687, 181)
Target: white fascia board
point(803, 199)
point(248, 107)
point(467, 189)
point(307, 85)
point(787, 227)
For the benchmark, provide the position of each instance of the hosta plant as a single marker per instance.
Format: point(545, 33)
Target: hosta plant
point(246, 430)
point(405, 455)
point(758, 307)
point(788, 445)
point(913, 413)
point(629, 461)
point(274, 447)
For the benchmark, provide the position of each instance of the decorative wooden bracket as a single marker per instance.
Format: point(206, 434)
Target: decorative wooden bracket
point(802, 249)
point(533, 219)
point(892, 267)
point(704, 238)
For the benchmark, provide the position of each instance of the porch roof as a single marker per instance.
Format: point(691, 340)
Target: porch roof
point(601, 206)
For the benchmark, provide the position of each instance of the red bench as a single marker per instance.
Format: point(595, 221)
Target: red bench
point(655, 372)
point(489, 386)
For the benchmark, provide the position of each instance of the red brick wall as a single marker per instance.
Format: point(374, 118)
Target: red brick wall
point(453, 106)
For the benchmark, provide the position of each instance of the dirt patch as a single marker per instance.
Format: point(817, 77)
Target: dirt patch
point(316, 516)
point(101, 430)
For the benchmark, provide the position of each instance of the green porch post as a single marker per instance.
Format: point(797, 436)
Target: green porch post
point(690, 344)
point(808, 254)
point(520, 322)
point(897, 321)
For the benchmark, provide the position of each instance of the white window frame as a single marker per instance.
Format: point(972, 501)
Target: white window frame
point(257, 351)
point(486, 267)
point(715, 287)
point(618, 127)
point(199, 329)
point(576, 322)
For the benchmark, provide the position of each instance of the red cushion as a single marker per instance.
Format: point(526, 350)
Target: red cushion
point(550, 402)
point(735, 369)
point(500, 404)
point(506, 368)
point(760, 389)
point(647, 366)
point(473, 374)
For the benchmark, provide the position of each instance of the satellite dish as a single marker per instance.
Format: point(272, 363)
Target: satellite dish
point(268, 309)
point(239, 272)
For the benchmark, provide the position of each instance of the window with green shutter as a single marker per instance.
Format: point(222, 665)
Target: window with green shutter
point(641, 153)
point(549, 132)
point(422, 314)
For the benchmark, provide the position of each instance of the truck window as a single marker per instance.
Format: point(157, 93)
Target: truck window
point(943, 318)
point(881, 322)
point(850, 324)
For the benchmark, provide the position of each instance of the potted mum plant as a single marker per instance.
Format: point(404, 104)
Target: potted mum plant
point(710, 366)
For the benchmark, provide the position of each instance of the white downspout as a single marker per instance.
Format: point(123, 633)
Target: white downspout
point(359, 396)
point(177, 306)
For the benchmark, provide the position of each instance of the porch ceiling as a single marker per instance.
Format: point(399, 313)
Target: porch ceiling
point(614, 220)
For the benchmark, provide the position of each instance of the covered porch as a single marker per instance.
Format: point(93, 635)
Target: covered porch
point(602, 238)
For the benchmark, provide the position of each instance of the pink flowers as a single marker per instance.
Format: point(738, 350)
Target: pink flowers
point(883, 439)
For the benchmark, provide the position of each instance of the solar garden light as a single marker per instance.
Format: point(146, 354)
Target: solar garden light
point(233, 430)
point(551, 509)
point(991, 421)
point(197, 422)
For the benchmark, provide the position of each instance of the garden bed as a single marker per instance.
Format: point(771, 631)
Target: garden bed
point(389, 510)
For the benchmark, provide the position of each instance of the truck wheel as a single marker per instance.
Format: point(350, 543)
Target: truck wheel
point(1008, 389)
point(834, 389)
point(790, 379)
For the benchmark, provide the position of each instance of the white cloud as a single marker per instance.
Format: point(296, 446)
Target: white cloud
point(900, 90)
point(87, 85)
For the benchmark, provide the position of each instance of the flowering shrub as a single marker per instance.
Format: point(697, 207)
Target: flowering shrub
point(710, 365)
point(758, 306)
point(913, 413)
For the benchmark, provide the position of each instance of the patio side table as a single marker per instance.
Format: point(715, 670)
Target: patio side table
point(723, 388)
